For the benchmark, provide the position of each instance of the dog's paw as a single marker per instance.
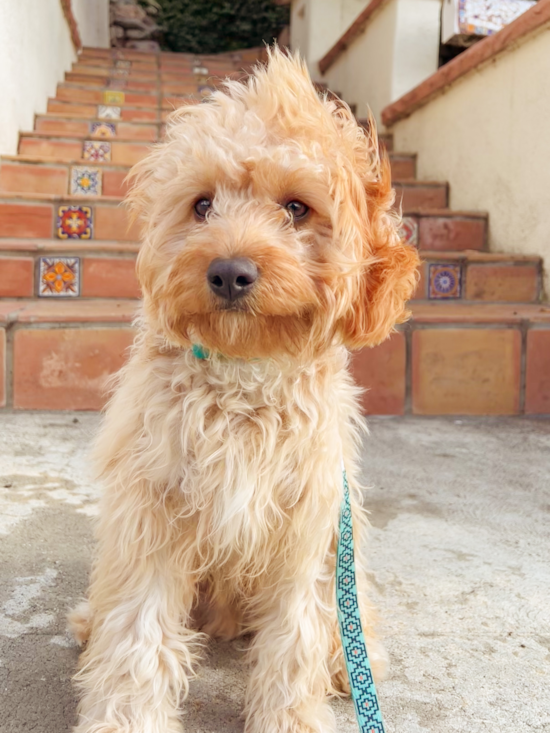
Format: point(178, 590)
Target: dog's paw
point(80, 622)
point(224, 628)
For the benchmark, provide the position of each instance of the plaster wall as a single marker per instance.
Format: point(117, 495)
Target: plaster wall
point(487, 134)
point(35, 51)
point(363, 74)
point(316, 25)
point(397, 49)
point(92, 18)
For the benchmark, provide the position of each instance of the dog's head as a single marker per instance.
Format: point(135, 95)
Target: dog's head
point(268, 225)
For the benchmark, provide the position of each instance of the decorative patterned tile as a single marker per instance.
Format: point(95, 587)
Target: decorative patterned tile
point(112, 97)
point(485, 17)
point(96, 150)
point(105, 112)
point(119, 72)
point(86, 181)
point(445, 282)
point(116, 84)
point(59, 277)
point(102, 129)
point(201, 70)
point(409, 230)
point(119, 64)
point(74, 222)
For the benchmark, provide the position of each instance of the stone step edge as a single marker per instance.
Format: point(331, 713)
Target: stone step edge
point(54, 198)
point(157, 96)
point(32, 246)
point(157, 108)
point(47, 160)
point(423, 314)
point(57, 117)
point(66, 198)
point(73, 137)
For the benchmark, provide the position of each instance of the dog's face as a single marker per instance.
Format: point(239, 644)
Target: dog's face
point(267, 224)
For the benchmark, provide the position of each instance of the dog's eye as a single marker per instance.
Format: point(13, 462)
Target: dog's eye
point(297, 209)
point(202, 207)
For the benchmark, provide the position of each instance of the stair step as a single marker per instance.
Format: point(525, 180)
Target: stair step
point(461, 359)
point(89, 149)
point(444, 230)
point(28, 174)
point(96, 128)
point(74, 93)
point(457, 359)
point(60, 269)
point(413, 194)
point(46, 216)
point(91, 111)
point(480, 276)
point(52, 173)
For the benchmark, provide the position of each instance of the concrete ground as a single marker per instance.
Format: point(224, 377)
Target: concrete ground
point(460, 557)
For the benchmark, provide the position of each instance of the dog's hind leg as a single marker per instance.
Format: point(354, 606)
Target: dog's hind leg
point(135, 668)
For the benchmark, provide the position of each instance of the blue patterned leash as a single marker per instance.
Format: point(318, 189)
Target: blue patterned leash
point(363, 691)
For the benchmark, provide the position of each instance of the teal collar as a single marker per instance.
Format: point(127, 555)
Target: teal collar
point(200, 352)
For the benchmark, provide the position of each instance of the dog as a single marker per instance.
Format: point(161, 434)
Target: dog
point(271, 248)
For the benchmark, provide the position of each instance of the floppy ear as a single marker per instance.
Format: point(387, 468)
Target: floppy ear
point(390, 271)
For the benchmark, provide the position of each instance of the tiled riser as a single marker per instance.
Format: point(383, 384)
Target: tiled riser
point(76, 128)
point(19, 177)
point(456, 370)
point(509, 283)
point(89, 111)
point(41, 221)
point(78, 94)
point(66, 276)
point(451, 232)
point(59, 180)
point(115, 152)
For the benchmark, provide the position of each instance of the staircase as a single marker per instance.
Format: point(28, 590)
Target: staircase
point(478, 343)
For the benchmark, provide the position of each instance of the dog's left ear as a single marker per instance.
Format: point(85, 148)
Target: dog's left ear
point(389, 273)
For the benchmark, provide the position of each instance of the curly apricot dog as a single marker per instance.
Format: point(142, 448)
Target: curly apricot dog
point(270, 248)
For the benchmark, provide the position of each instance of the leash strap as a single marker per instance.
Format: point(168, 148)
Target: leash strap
point(363, 691)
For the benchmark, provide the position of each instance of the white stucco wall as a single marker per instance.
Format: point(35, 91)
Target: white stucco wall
point(398, 49)
point(316, 25)
point(487, 135)
point(92, 18)
point(35, 51)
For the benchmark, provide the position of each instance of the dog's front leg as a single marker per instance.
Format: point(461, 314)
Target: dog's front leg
point(290, 677)
point(134, 670)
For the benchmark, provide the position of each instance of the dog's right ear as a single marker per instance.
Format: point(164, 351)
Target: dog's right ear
point(387, 267)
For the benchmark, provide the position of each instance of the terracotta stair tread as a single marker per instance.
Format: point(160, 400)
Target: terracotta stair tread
point(472, 255)
point(419, 211)
point(74, 137)
point(67, 118)
point(59, 198)
point(73, 246)
point(470, 313)
point(68, 311)
point(47, 160)
point(417, 182)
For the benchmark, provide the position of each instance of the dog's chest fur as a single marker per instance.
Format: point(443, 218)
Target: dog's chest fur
point(241, 447)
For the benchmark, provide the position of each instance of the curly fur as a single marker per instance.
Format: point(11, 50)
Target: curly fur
point(223, 476)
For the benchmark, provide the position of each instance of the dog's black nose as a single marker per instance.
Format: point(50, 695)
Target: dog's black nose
point(231, 279)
